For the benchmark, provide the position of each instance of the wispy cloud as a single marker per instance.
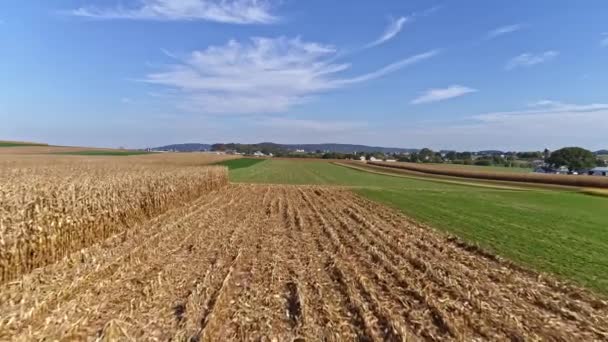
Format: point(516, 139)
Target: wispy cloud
point(442, 94)
point(531, 59)
point(546, 107)
point(393, 29)
point(389, 68)
point(546, 123)
point(501, 31)
point(604, 41)
point(427, 11)
point(223, 11)
point(319, 126)
point(395, 26)
point(263, 75)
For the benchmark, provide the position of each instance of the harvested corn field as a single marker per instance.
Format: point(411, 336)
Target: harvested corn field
point(287, 262)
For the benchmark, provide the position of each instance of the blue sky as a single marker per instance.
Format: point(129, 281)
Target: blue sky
point(466, 75)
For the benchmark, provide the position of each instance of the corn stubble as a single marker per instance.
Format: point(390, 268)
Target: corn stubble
point(50, 210)
point(285, 263)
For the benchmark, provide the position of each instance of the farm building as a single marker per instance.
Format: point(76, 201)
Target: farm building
point(599, 171)
point(562, 170)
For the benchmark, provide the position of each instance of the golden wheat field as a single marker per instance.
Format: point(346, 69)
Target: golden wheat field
point(145, 249)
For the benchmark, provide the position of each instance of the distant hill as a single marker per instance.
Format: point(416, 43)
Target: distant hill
point(346, 148)
point(339, 148)
point(491, 152)
point(6, 143)
point(601, 152)
point(192, 147)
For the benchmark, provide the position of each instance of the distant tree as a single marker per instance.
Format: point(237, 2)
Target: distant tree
point(414, 158)
point(546, 154)
point(218, 147)
point(426, 155)
point(529, 155)
point(483, 162)
point(451, 156)
point(575, 158)
point(464, 155)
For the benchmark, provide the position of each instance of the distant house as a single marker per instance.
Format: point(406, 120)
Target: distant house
point(599, 171)
point(562, 170)
point(390, 161)
point(543, 169)
point(258, 154)
point(372, 158)
point(538, 162)
point(362, 158)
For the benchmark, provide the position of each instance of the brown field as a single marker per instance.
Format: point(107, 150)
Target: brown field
point(566, 180)
point(51, 207)
point(32, 160)
point(285, 263)
point(47, 149)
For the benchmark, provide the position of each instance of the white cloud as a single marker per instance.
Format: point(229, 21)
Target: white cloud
point(223, 11)
point(604, 41)
point(393, 29)
point(389, 68)
point(261, 76)
point(441, 94)
point(550, 124)
point(548, 106)
point(530, 59)
point(313, 126)
point(500, 31)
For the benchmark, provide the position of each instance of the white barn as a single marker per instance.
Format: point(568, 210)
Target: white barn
point(599, 171)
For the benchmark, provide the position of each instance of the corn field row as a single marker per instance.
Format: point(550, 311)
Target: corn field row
point(50, 210)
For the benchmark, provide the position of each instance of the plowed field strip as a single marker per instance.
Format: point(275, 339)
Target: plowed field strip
point(258, 262)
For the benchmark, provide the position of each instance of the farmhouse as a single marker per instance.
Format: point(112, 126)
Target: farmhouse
point(562, 170)
point(599, 171)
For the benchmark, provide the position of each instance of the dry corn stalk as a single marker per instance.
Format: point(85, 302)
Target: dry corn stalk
point(52, 209)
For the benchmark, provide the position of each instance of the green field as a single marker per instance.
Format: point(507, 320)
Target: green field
point(562, 232)
point(240, 163)
point(18, 144)
point(104, 153)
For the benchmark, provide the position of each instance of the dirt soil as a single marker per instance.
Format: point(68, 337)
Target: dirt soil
point(285, 263)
